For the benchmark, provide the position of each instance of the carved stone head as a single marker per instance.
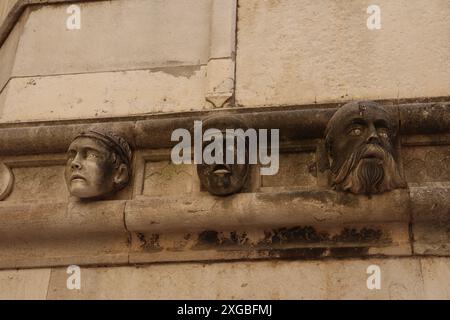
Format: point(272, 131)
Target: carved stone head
point(360, 149)
point(224, 178)
point(98, 164)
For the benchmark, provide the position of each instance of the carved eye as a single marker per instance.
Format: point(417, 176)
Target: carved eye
point(383, 132)
point(355, 132)
point(92, 155)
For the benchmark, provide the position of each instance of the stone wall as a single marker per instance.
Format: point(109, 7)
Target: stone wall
point(143, 68)
point(406, 278)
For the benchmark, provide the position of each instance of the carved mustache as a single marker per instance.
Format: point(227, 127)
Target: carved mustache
point(365, 151)
point(371, 151)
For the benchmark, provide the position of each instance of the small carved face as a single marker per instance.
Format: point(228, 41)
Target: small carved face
point(224, 179)
point(359, 143)
point(91, 170)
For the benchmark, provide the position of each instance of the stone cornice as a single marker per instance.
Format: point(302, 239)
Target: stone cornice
point(296, 123)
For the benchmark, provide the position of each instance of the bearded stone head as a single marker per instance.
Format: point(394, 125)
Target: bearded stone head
point(360, 149)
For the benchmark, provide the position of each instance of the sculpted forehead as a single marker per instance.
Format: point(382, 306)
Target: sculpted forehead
point(88, 143)
point(368, 111)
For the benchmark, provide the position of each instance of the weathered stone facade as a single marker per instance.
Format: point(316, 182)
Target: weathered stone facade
point(137, 70)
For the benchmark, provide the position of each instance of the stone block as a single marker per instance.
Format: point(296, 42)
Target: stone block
point(220, 82)
point(333, 279)
point(44, 183)
point(100, 95)
point(436, 278)
point(8, 50)
point(115, 35)
point(294, 171)
point(164, 178)
point(431, 219)
point(300, 242)
point(305, 52)
point(426, 163)
point(431, 238)
point(263, 210)
point(223, 29)
point(24, 284)
point(54, 234)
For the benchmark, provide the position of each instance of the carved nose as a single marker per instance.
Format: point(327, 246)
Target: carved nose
point(373, 139)
point(373, 136)
point(75, 165)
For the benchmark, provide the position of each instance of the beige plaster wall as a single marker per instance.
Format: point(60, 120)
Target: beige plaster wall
point(129, 57)
point(304, 52)
point(401, 278)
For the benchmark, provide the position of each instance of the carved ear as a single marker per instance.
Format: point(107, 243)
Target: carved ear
point(122, 176)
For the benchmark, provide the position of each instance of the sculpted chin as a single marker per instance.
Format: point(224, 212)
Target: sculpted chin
point(359, 143)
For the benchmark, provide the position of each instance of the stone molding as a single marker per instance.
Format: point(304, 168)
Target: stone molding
point(297, 123)
point(152, 229)
point(264, 222)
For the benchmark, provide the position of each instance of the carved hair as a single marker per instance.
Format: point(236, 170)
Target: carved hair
point(120, 149)
point(369, 176)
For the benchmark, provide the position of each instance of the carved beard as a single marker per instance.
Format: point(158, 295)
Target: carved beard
point(368, 175)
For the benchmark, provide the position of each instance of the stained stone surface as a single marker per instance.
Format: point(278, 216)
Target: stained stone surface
point(117, 35)
point(431, 216)
point(24, 284)
point(294, 170)
point(427, 163)
point(106, 94)
point(164, 178)
point(436, 278)
point(401, 279)
point(141, 62)
point(39, 183)
point(305, 52)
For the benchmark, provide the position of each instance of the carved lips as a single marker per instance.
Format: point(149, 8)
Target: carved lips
point(77, 177)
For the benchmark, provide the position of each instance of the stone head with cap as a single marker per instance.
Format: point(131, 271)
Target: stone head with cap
point(224, 177)
point(98, 164)
point(359, 141)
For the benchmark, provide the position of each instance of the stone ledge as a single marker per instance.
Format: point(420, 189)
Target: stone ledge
point(431, 219)
point(295, 225)
point(263, 210)
point(296, 123)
